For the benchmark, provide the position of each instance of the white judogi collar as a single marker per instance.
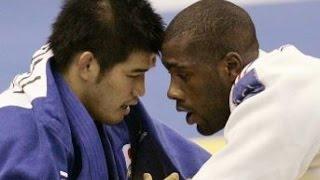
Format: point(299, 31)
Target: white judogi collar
point(246, 69)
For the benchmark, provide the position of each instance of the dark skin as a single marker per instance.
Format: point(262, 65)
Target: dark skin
point(200, 88)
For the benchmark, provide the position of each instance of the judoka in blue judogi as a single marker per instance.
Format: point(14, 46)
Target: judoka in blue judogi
point(70, 116)
point(46, 133)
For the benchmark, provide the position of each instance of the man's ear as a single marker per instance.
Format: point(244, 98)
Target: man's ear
point(88, 66)
point(232, 65)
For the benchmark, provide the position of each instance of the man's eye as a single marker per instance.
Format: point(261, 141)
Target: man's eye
point(135, 75)
point(183, 76)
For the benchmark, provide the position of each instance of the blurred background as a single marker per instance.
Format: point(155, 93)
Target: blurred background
point(26, 25)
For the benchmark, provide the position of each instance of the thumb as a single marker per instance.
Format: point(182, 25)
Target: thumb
point(147, 176)
point(173, 176)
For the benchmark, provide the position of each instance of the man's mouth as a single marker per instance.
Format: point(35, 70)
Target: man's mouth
point(132, 103)
point(126, 107)
point(181, 109)
point(189, 117)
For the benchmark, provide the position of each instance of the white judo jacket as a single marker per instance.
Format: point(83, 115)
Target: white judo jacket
point(273, 132)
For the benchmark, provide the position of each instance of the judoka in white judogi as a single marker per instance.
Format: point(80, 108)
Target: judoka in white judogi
point(273, 130)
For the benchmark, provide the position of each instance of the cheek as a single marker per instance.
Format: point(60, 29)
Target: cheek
point(125, 88)
point(117, 89)
point(199, 94)
point(217, 102)
point(105, 97)
point(206, 96)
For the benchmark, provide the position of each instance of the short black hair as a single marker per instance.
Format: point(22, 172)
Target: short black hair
point(214, 28)
point(110, 29)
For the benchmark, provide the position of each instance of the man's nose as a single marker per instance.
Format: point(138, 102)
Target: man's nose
point(139, 89)
point(174, 92)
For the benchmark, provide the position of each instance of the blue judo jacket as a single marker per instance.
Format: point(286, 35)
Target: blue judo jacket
point(46, 133)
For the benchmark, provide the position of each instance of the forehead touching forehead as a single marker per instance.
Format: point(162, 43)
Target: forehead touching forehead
point(140, 61)
point(176, 51)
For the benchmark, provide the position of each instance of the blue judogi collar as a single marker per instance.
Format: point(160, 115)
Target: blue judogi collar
point(85, 135)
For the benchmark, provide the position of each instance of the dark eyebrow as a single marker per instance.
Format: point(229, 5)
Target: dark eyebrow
point(139, 70)
point(170, 65)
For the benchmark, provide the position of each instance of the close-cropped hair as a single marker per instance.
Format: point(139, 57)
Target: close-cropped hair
point(214, 28)
point(110, 29)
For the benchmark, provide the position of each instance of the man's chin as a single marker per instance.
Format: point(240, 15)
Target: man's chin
point(205, 131)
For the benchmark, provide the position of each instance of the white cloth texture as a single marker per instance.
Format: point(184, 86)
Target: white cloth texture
point(273, 130)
